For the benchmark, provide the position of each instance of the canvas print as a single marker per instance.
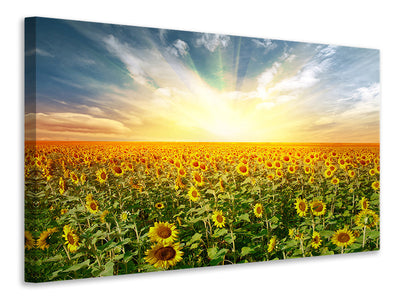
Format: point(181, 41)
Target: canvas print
point(151, 149)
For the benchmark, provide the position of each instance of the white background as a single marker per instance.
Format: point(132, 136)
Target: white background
point(370, 24)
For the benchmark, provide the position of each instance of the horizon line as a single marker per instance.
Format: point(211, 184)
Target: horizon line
point(231, 142)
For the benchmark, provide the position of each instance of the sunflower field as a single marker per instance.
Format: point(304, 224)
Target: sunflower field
point(100, 209)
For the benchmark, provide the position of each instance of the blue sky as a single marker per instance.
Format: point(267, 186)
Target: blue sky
point(111, 82)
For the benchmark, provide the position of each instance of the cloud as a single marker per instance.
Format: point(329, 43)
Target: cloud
point(38, 51)
point(365, 100)
point(178, 48)
point(265, 43)
point(70, 126)
point(134, 63)
point(212, 41)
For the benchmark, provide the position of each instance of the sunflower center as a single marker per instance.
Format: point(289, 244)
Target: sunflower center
point(181, 171)
point(259, 210)
point(194, 194)
point(197, 177)
point(165, 253)
point(343, 237)
point(70, 238)
point(220, 219)
point(164, 232)
point(93, 206)
point(103, 175)
point(318, 207)
point(118, 170)
point(243, 169)
point(302, 206)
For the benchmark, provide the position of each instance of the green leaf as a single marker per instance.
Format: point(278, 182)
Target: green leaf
point(78, 266)
point(195, 237)
point(109, 269)
point(245, 251)
point(216, 255)
point(219, 232)
point(274, 219)
point(374, 234)
point(230, 238)
point(244, 217)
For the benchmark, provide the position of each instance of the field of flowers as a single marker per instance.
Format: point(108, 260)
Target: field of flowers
point(101, 209)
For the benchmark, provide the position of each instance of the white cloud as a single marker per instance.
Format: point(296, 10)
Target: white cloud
point(265, 43)
point(134, 63)
point(179, 48)
point(212, 41)
point(366, 100)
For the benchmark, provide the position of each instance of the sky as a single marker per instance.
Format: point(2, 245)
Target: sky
point(103, 82)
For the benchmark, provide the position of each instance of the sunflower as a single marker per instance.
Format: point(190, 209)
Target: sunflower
point(83, 179)
point(203, 166)
point(301, 207)
point(194, 194)
point(372, 172)
point(298, 236)
point(163, 232)
point(182, 172)
point(367, 218)
point(221, 185)
point(307, 169)
point(198, 179)
point(242, 169)
point(159, 205)
point(62, 186)
point(63, 211)
point(351, 173)
point(195, 164)
point(117, 171)
point(124, 216)
point(328, 173)
point(91, 204)
point(272, 244)
point(291, 169)
point(311, 180)
point(74, 178)
point(164, 255)
point(101, 175)
point(318, 207)
point(343, 237)
point(219, 219)
point(316, 240)
point(71, 238)
point(271, 176)
point(269, 164)
point(277, 164)
point(335, 180)
point(364, 203)
point(178, 183)
point(258, 210)
point(29, 240)
point(103, 216)
point(45, 238)
point(279, 173)
point(375, 185)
